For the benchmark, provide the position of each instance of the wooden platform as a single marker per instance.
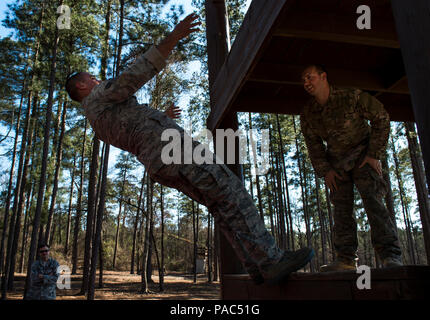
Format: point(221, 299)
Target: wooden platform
point(400, 283)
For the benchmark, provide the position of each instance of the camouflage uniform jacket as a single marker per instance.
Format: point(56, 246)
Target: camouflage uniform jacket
point(342, 124)
point(118, 119)
point(44, 289)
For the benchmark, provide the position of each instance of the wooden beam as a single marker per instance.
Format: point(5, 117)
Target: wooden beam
point(218, 35)
point(330, 26)
point(336, 37)
point(258, 25)
point(413, 25)
point(283, 74)
point(218, 43)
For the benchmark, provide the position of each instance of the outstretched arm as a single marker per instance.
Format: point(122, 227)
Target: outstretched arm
point(145, 66)
point(181, 31)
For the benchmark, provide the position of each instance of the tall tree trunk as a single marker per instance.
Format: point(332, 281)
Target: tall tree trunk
point(11, 175)
point(117, 72)
point(289, 217)
point(42, 182)
point(274, 189)
point(101, 261)
point(57, 173)
point(98, 230)
point(118, 222)
point(136, 222)
point(404, 205)
point(25, 228)
point(322, 220)
point(23, 140)
point(145, 257)
point(161, 270)
point(216, 252)
point(15, 203)
point(20, 205)
point(209, 249)
point(420, 184)
point(69, 211)
point(281, 223)
point(389, 201)
point(101, 190)
point(302, 174)
point(140, 232)
point(269, 198)
point(151, 235)
point(194, 243)
point(78, 216)
point(91, 207)
point(257, 180)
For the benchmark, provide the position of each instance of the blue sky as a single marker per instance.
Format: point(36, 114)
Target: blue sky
point(3, 8)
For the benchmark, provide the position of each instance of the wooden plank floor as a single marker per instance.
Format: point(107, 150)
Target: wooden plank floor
point(399, 283)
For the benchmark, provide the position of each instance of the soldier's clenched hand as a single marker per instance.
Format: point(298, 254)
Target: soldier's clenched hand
point(330, 180)
point(374, 163)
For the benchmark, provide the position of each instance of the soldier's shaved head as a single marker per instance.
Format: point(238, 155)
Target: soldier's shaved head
point(71, 87)
point(319, 68)
point(80, 84)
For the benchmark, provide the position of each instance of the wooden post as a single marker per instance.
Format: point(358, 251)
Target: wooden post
point(413, 28)
point(218, 44)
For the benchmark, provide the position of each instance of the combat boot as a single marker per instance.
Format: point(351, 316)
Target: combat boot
point(291, 261)
point(339, 265)
point(390, 262)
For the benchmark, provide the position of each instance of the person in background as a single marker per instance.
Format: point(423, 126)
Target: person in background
point(44, 276)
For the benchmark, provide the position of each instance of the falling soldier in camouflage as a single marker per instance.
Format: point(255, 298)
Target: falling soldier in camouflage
point(44, 276)
point(118, 119)
point(338, 117)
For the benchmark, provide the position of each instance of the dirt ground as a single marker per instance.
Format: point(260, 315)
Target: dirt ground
point(121, 285)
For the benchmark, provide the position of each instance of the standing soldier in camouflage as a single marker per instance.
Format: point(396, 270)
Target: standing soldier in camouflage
point(44, 276)
point(118, 119)
point(351, 156)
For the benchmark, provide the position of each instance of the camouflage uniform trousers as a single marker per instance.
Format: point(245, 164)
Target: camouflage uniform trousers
point(222, 192)
point(216, 187)
point(372, 189)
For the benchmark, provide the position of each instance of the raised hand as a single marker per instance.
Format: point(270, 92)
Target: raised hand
point(182, 30)
point(185, 27)
point(173, 112)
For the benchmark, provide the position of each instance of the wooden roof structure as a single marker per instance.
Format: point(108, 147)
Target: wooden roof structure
point(279, 38)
